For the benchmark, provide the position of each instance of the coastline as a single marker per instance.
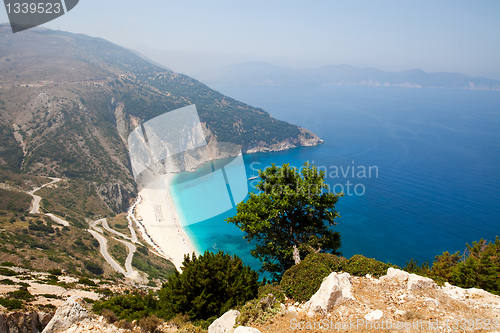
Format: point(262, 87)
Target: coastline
point(161, 224)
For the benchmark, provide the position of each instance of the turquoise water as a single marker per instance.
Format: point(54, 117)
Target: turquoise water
point(434, 157)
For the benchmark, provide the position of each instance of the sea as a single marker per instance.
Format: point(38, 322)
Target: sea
point(419, 169)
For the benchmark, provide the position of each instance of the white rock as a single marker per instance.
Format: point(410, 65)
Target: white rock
point(432, 302)
point(334, 289)
point(291, 310)
point(374, 315)
point(66, 315)
point(400, 312)
point(368, 276)
point(225, 323)
point(245, 329)
point(419, 282)
point(399, 274)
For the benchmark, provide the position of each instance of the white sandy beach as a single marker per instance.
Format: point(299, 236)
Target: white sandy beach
point(156, 212)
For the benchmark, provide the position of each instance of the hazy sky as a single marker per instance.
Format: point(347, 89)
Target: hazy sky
point(193, 36)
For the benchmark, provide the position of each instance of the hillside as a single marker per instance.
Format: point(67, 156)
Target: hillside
point(68, 103)
point(265, 74)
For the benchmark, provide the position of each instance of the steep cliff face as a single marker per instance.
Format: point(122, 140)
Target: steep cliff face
point(24, 322)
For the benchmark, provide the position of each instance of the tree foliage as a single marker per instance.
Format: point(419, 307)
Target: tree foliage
point(292, 213)
point(208, 286)
point(477, 267)
point(129, 307)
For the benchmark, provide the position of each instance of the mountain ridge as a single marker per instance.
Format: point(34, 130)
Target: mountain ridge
point(266, 74)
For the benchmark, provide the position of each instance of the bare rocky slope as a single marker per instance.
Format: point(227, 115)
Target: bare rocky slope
point(398, 301)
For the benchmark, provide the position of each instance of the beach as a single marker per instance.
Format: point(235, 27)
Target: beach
point(159, 223)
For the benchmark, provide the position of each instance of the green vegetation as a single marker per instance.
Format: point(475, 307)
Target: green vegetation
point(359, 265)
point(220, 112)
point(477, 267)
point(129, 307)
point(87, 281)
point(22, 294)
point(93, 268)
point(301, 281)
point(7, 272)
point(209, 285)
point(11, 304)
point(154, 266)
point(264, 307)
point(11, 153)
point(290, 217)
point(73, 200)
point(14, 201)
point(7, 282)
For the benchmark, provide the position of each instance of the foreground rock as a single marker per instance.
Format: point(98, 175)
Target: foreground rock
point(225, 323)
point(336, 288)
point(66, 315)
point(413, 281)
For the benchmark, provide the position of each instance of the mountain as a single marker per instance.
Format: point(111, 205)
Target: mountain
point(265, 74)
point(257, 73)
point(68, 103)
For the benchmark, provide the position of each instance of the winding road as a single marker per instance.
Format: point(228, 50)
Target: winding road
point(98, 233)
point(103, 247)
point(35, 205)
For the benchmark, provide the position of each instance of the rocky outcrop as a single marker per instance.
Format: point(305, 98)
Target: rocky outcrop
point(412, 281)
point(306, 138)
point(225, 323)
point(335, 289)
point(21, 322)
point(71, 312)
point(116, 196)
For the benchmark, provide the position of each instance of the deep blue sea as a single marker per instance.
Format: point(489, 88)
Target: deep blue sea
point(434, 157)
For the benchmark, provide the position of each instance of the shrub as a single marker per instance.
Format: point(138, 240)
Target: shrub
point(359, 265)
point(129, 307)
point(126, 325)
point(109, 315)
point(150, 324)
point(22, 293)
point(274, 290)
point(301, 281)
point(7, 264)
point(7, 282)
point(93, 268)
point(190, 328)
point(259, 310)
point(7, 272)
point(11, 304)
point(87, 281)
point(208, 286)
point(55, 271)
